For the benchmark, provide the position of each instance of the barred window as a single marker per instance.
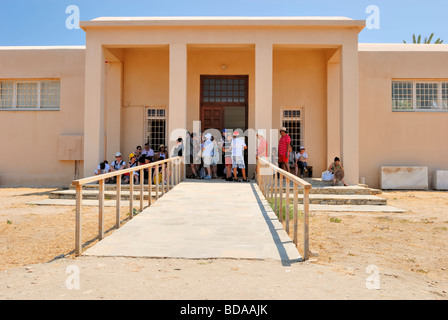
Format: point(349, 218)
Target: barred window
point(402, 96)
point(155, 132)
point(418, 95)
point(444, 95)
point(292, 120)
point(29, 94)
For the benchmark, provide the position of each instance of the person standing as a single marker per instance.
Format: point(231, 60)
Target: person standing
point(207, 155)
point(283, 149)
point(215, 158)
point(227, 150)
point(238, 147)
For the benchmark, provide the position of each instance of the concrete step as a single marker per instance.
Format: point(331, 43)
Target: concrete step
point(93, 194)
point(331, 199)
point(313, 207)
point(324, 188)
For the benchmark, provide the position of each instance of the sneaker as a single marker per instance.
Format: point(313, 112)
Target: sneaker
point(208, 178)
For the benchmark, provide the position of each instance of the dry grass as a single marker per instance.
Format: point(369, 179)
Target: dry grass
point(414, 242)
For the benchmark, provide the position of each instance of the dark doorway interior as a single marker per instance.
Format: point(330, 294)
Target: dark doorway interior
point(224, 104)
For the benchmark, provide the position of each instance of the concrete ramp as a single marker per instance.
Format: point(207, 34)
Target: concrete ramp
point(203, 219)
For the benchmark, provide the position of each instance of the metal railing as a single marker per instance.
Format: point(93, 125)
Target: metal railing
point(172, 166)
point(270, 181)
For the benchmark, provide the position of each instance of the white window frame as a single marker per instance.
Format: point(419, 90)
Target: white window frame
point(300, 118)
point(38, 106)
point(439, 108)
point(156, 117)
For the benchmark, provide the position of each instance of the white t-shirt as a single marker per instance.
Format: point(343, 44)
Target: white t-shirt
point(298, 155)
point(149, 153)
point(207, 149)
point(238, 145)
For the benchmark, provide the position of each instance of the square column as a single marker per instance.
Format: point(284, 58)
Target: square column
point(263, 92)
point(177, 110)
point(93, 108)
point(113, 108)
point(333, 107)
point(350, 113)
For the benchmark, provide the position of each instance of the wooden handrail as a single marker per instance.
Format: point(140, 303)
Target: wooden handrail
point(120, 172)
point(270, 187)
point(286, 174)
point(172, 162)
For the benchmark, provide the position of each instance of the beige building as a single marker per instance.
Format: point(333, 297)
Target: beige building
point(65, 109)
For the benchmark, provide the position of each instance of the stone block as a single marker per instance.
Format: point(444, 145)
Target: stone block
point(440, 180)
point(404, 177)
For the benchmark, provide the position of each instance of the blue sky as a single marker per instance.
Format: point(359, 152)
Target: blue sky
point(43, 22)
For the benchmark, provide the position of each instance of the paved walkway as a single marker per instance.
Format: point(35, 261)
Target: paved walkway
point(203, 219)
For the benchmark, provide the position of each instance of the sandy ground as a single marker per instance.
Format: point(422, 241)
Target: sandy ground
point(406, 252)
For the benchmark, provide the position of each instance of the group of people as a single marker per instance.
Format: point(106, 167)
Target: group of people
point(288, 159)
point(205, 156)
point(138, 157)
point(205, 153)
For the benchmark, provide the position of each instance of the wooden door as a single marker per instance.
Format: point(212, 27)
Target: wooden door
point(212, 118)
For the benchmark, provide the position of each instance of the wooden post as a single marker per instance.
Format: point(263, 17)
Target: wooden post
point(171, 176)
point(142, 180)
point(78, 240)
point(275, 191)
point(287, 207)
point(280, 210)
point(101, 210)
point(118, 205)
point(296, 209)
point(306, 221)
point(157, 181)
point(131, 195)
point(163, 178)
point(177, 166)
point(150, 186)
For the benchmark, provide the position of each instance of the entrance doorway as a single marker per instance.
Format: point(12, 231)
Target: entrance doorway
point(224, 104)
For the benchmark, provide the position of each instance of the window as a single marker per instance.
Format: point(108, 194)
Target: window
point(417, 95)
point(29, 95)
point(228, 90)
point(155, 132)
point(292, 120)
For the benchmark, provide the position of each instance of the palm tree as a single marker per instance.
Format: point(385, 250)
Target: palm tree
point(426, 41)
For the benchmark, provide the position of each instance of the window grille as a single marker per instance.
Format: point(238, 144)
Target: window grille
point(29, 95)
point(418, 95)
point(229, 91)
point(155, 132)
point(292, 120)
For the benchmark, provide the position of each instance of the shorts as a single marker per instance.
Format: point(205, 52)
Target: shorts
point(283, 158)
point(228, 161)
point(207, 161)
point(238, 162)
point(214, 162)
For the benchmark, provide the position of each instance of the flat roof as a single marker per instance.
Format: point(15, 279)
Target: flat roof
point(402, 47)
point(43, 48)
point(222, 21)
